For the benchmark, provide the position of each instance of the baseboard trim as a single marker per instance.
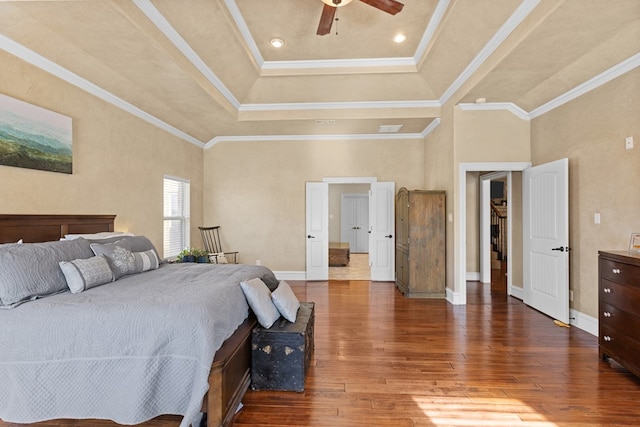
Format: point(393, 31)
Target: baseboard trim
point(291, 275)
point(473, 276)
point(583, 321)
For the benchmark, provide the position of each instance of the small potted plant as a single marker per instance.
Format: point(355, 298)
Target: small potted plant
point(201, 256)
point(186, 255)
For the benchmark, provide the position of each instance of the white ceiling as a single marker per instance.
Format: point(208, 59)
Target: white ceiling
point(205, 70)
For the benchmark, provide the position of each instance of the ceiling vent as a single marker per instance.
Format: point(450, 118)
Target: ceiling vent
point(389, 128)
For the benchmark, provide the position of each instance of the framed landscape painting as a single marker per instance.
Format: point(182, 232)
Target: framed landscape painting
point(33, 137)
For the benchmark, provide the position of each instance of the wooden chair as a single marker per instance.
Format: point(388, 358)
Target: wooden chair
point(211, 239)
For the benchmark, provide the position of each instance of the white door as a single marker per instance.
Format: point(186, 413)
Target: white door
point(317, 231)
point(354, 220)
point(546, 238)
point(382, 239)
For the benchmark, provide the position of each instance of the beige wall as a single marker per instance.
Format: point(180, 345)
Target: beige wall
point(603, 176)
point(118, 160)
point(491, 136)
point(439, 175)
point(256, 190)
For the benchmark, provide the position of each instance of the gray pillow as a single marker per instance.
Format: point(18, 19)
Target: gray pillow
point(82, 274)
point(145, 261)
point(119, 256)
point(31, 270)
point(286, 301)
point(137, 243)
point(259, 298)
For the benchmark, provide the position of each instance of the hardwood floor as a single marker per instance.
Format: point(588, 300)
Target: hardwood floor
point(383, 360)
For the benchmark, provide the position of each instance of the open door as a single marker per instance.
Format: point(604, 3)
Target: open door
point(382, 240)
point(317, 231)
point(546, 238)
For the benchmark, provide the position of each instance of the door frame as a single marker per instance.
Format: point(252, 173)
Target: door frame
point(458, 295)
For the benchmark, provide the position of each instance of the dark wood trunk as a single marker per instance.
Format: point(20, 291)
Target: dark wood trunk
point(280, 355)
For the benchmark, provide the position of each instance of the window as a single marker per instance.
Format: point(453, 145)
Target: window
point(176, 216)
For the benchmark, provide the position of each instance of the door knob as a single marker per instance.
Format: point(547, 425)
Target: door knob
point(309, 236)
point(389, 236)
point(561, 249)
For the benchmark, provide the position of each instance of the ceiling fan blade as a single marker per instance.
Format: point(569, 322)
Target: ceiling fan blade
point(326, 20)
point(389, 6)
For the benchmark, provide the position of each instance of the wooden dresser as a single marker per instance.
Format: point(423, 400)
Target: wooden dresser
point(420, 243)
point(619, 308)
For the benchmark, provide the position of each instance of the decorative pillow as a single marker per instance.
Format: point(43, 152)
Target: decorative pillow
point(145, 261)
point(121, 260)
point(219, 258)
point(138, 243)
point(31, 270)
point(286, 301)
point(259, 298)
point(82, 274)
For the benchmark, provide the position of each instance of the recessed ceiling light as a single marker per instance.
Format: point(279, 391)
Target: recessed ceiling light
point(277, 43)
point(399, 38)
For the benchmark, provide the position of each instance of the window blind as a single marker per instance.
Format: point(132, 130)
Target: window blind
point(176, 216)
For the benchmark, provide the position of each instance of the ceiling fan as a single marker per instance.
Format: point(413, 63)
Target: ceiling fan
point(330, 6)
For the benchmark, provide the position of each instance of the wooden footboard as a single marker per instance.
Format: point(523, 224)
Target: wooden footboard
point(230, 376)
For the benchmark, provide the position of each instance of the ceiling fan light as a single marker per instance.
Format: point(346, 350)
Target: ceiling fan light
point(340, 4)
point(277, 43)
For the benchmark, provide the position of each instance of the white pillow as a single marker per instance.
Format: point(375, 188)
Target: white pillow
point(82, 274)
point(258, 296)
point(286, 301)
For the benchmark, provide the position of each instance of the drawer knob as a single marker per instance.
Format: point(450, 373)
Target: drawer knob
point(607, 338)
point(607, 290)
point(616, 271)
point(607, 314)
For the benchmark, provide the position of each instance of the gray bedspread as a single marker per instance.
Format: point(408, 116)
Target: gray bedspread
point(127, 351)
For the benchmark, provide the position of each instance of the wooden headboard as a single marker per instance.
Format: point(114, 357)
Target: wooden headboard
point(43, 228)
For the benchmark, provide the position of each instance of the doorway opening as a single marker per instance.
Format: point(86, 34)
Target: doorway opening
point(349, 232)
point(466, 211)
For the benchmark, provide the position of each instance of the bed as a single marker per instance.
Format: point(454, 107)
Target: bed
point(144, 345)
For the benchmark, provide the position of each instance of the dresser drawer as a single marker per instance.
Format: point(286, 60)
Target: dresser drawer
point(622, 348)
point(624, 297)
point(621, 321)
point(619, 272)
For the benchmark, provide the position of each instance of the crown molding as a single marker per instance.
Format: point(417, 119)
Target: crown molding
point(355, 105)
point(344, 66)
point(434, 124)
point(591, 84)
point(181, 44)
point(333, 137)
point(498, 38)
point(244, 31)
point(494, 106)
point(51, 67)
point(430, 31)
